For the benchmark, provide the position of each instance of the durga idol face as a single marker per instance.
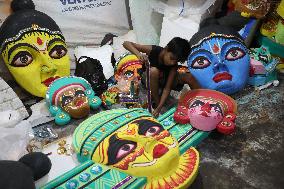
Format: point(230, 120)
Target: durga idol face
point(36, 59)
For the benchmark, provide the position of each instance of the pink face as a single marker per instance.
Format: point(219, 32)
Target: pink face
point(205, 114)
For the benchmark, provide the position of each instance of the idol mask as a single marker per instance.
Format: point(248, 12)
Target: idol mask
point(71, 97)
point(253, 8)
point(34, 50)
point(128, 67)
point(92, 70)
point(263, 67)
point(219, 59)
point(206, 110)
point(134, 142)
point(128, 71)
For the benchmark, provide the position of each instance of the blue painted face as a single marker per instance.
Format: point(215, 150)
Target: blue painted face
point(220, 63)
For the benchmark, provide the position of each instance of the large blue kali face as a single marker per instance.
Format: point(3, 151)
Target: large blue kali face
point(220, 63)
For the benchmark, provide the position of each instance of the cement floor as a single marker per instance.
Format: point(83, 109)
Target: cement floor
point(252, 157)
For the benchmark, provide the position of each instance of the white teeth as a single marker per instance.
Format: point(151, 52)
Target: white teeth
point(173, 145)
point(144, 164)
point(154, 161)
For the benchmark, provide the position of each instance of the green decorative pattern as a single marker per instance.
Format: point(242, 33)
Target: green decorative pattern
point(275, 48)
point(106, 177)
point(102, 178)
point(92, 131)
point(186, 135)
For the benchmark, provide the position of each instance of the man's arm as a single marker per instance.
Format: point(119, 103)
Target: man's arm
point(138, 50)
point(166, 91)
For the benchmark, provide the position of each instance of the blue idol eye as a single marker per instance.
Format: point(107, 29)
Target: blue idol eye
point(235, 54)
point(200, 62)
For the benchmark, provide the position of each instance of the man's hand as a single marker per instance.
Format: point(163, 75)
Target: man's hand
point(156, 112)
point(143, 58)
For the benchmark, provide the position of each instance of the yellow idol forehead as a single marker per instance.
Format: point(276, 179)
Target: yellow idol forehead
point(39, 41)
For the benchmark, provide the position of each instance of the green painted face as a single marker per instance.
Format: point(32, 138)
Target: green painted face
point(36, 59)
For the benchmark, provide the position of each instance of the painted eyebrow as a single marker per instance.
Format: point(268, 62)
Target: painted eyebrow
point(19, 45)
point(200, 50)
point(54, 40)
point(231, 42)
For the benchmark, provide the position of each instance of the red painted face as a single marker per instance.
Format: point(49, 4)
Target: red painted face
point(205, 114)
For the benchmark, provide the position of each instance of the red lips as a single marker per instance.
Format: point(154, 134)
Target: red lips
point(48, 81)
point(79, 103)
point(222, 76)
point(159, 150)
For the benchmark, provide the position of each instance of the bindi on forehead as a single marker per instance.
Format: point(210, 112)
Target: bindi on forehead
point(38, 39)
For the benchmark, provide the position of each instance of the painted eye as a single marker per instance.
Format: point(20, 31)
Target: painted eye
point(235, 54)
point(263, 58)
point(152, 131)
point(125, 150)
point(66, 100)
point(58, 51)
point(197, 103)
point(79, 93)
point(200, 62)
point(217, 108)
point(128, 74)
point(22, 59)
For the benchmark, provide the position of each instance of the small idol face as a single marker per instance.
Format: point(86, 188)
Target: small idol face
point(261, 54)
point(205, 114)
point(253, 8)
point(132, 72)
point(141, 147)
point(75, 102)
point(220, 64)
point(37, 59)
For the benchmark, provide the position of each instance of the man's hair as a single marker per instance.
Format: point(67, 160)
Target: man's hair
point(179, 47)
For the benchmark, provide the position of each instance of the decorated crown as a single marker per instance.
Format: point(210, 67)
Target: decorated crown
point(64, 83)
point(124, 61)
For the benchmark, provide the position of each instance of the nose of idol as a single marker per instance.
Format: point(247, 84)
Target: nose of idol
point(35, 59)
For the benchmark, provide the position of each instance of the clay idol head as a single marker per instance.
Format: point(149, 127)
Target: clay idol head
point(219, 59)
point(33, 48)
point(253, 8)
point(71, 97)
point(128, 67)
point(132, 141)
point(207, 110)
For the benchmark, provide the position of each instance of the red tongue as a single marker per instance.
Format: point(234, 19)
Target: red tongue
point(159, 150)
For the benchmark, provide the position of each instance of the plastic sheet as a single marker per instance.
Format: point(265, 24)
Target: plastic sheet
point(13, 141)
point(183, 7)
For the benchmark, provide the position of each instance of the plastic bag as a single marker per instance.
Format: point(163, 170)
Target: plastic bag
point(182, 7)
point(13, 141)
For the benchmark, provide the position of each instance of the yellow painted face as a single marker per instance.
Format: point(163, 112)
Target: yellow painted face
point(132, 72)
point(36, 59)
point(140, 148)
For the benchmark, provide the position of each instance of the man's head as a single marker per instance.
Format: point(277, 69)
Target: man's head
point(176, 51)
